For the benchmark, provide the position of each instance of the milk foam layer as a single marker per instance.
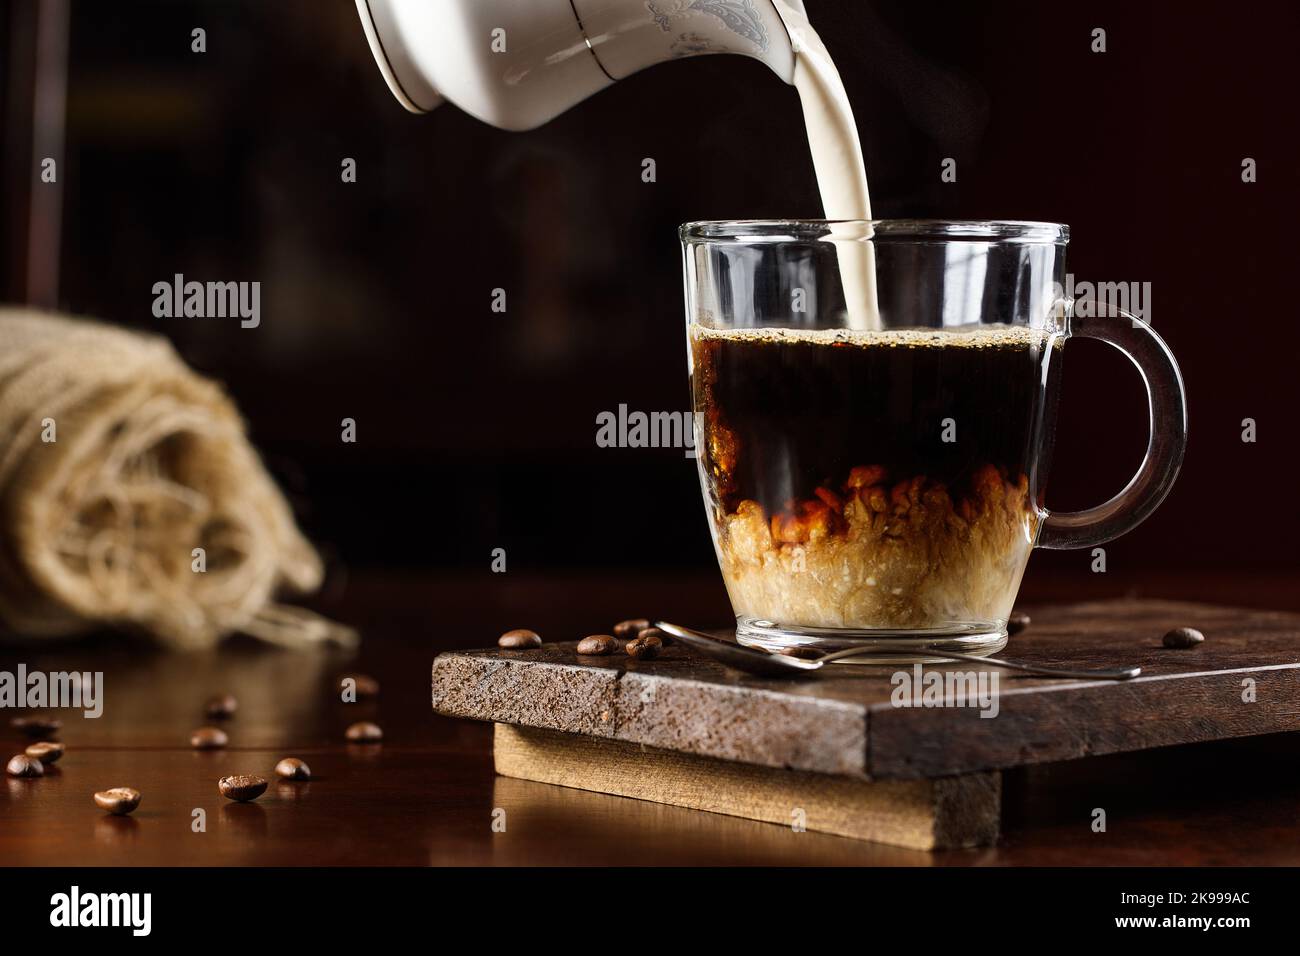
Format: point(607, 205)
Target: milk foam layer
point(984, 336)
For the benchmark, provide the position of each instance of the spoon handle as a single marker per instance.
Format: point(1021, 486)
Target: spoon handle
point(1116, 673)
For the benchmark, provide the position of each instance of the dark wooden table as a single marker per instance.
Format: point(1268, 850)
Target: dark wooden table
point(427, 794)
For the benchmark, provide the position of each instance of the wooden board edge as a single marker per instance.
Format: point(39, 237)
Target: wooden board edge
point(627, 705)
point(916, 814)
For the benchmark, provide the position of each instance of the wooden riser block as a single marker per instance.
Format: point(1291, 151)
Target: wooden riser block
point(940, 813)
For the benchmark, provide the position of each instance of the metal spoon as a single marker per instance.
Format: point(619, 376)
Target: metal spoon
point(755, 661)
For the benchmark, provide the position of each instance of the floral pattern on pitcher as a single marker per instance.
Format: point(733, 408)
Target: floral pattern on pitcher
point(738, 16)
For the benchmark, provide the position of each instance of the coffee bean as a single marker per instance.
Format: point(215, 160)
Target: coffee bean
point(291, 768)
point(1017, 622)
point(242, 787)
point(36, 726)
point(644, 648)
point(221, 707)
point(119, 800)
point(631, 628)
point(520, 639)
point(364, 732)
point(1183, 637)
point(596, 644)
point(665, 639)
point(47, 752)
point(365, 686)
point(209, 738)
point(21, 765)
point(801, 652)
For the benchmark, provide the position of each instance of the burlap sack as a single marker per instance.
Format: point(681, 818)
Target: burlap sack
point(116, 463)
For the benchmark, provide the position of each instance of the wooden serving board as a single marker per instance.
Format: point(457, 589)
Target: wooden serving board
point(659, 729)
point(841, 720)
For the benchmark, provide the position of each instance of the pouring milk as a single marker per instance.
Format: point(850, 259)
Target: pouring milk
point(837, 161)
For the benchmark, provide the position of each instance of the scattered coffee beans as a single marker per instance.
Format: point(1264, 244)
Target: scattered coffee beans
point(365, 686)
point(221, 707)
point(1017, 622)
point(596, 644)
point(47, 752)
point(665, 639)
point(291, 768)
point(364, 732)
point(36, 726)
point(119, 800)
point(1183, 637)
point(644, 648)
point(630, 628)
point(21, 765)
point(242, 787)
point(520, 639)
point(209, 738)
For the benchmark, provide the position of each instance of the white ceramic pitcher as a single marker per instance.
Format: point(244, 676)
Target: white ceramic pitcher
point(518, 63)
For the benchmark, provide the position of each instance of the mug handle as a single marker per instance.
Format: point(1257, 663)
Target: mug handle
point(1167, 413)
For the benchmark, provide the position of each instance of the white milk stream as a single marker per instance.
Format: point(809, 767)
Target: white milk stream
point(837, 161)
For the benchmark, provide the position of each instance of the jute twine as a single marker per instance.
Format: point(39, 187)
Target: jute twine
point(117, 462)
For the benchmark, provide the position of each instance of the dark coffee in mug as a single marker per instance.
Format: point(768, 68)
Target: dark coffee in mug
point(874, 479)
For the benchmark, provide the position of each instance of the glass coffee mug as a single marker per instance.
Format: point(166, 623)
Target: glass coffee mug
point(873, 469)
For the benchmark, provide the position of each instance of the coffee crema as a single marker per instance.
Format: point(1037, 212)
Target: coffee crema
point(872, 479)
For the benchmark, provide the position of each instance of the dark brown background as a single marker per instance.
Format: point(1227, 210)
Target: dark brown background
point(477, 429)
